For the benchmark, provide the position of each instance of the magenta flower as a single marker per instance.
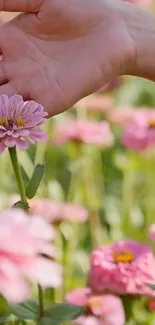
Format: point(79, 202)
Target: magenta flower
point(96, 103)
point(104, 309)
point(124, 268)
point(58, 211)
point(84, 131)
point(139, 134)
point(23, 242)
point(152, 232)
point(19, 122)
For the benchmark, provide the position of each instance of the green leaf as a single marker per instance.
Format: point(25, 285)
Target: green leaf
point(151, 285)
point(28, 310)
point(34, 182)
point(59, 313)
point(21, 205)
point(4, 318)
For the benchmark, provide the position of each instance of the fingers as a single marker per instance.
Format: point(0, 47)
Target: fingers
point(20, 5)
point(3, 78)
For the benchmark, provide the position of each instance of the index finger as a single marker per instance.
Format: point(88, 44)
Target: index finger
point(20, 5)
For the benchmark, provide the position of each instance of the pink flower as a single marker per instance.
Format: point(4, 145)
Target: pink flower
point(139, 134)
point(99, 309)
point(23, 242)
point(152, 232)
point(101, 104)
point(19, 122)
point(80, 131)
point(121, 116)
point(58, 211)
point(124, 268)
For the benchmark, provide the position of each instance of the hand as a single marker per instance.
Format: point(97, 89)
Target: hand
point(60, 51)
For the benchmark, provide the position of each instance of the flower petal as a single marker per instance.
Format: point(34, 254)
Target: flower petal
point(22, 144)
point(10, 142)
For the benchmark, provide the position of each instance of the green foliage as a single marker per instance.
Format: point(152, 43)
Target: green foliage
point(60, 313)
point(34, 182)
point(29, 310)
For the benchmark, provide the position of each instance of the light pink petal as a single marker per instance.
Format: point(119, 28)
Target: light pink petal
point(15, 104)
point(2, 147)
point(78, 297)
point(10, 142)
point(46, 272)
point(22, 144)
point(4, 105)
point(14, 290)
point(38, 135)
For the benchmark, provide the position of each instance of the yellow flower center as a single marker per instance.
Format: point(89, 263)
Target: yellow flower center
point(20, 122)
point(123, 256)
point(94, 302)
point(151, 122)
point(3, 121)
point(8, 122)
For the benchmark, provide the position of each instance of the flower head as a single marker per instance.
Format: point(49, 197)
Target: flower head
point(58, 211)
point(139, 134)
point(19, 122)
point(83, 131)
point(121, 116)
point(23, 242)
point(104, 309)
point(124, 267)
point(96, 103)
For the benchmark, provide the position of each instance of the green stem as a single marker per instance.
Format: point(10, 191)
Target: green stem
point(65, 263)
point(41, 303)
point(18, 175)
point(21, 187)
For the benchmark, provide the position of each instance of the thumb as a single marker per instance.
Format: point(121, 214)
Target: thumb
point(20, 5)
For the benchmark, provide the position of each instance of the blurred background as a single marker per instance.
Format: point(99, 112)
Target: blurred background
point(99, 182)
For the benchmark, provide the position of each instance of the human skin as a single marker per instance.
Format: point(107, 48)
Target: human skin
point(57, 51)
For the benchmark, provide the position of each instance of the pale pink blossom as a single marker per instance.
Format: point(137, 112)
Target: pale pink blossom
point(124, 268)
point(58, 211)
point(84, 131)
point(121, 115)
point(139, 134)
point(96, 103)
point(20, 122)
point(104, 309)
point(24, 241)
point(152, 232)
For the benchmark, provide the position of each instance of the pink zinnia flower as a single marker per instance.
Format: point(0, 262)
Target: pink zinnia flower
point(23, 242)
point(124, 268)
point(83, 131)
point(19, 122)
point(58, 211)
point(96, 103)
point(139, 134)
point(99, 310)
point(152, 232)
point(121, 116)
